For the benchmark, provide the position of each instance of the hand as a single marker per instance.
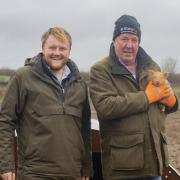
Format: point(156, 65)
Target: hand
point(155, 94)
point(171, 100)
point(85, 178)
point(8, 176)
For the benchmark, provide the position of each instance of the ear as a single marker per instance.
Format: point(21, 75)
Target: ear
point(166, 74)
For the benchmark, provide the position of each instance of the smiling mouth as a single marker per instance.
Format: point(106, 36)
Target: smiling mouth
point(57, 59)
point(129, 52)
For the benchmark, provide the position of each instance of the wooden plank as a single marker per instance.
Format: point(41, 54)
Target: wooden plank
point(170, 173)
point(95, 140)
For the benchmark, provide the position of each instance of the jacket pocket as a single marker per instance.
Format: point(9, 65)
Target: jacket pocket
point(127, 152)
point(165, 149)
point(48, 110)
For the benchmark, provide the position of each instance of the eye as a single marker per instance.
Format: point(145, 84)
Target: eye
point(62, 48)
point(124, 39)
point(52, 48)
point(135, 40)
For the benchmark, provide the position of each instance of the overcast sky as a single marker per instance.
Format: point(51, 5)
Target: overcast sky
point(91, 24)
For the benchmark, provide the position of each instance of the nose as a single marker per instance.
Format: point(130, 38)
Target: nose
point(129, 44)
point(57, 51)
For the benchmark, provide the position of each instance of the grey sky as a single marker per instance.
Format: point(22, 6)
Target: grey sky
point(91, 24)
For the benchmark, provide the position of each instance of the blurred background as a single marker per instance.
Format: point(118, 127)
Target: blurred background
point(91, 24)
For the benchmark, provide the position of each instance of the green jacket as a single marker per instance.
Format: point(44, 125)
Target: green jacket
point(53, 127)
point(133, 136)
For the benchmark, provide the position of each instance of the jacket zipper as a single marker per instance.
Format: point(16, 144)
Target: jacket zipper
point(61, 96)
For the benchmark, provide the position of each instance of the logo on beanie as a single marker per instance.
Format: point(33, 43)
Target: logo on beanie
point(128, 30)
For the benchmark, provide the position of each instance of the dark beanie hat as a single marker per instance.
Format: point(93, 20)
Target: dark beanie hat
point(127, 24)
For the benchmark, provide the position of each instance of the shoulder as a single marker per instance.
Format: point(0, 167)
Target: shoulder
point(102, 64)
point(23, 71)
point(21, 75)
point(101, 69)
point(146, 60)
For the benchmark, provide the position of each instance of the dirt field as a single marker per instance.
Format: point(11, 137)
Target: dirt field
point(173, 133)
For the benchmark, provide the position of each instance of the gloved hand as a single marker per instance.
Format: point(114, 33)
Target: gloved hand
point(171, 100)
point(155, 93)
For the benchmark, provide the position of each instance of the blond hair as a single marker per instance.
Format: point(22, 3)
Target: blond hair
point(59, 33)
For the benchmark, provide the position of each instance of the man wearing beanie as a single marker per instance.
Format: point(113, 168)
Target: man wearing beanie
point(129, 108)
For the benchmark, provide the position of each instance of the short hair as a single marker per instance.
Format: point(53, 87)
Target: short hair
point(59, 33)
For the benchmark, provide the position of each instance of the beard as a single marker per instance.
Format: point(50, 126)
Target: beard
point(56, 63)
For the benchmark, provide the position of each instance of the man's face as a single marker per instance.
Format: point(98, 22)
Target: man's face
point(126, 47)
point(56, 52)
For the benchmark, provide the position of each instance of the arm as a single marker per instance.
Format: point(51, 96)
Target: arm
point(8, 117)
point(110, 102)
point(86, 134)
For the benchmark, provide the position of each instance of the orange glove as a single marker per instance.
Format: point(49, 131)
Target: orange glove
point(169, 101)
point(154, 93)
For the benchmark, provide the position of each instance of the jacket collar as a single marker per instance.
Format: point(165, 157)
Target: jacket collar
point(116, 66)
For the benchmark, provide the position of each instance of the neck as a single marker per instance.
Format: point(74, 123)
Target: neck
point(132, 68)
point(59, 73)
point(131, 65)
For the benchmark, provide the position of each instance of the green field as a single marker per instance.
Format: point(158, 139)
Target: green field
point(2, 91)
point(3, 84)
point(4, 79)
point(177, 90)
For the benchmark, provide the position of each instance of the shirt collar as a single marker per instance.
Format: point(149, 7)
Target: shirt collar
point(120, 60)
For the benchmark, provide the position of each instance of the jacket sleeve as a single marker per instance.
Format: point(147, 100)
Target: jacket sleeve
point(86, 134)
point(8, 118)
point(108, 102)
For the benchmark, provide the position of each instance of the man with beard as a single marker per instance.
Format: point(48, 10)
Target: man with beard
point(129, 108)
point(47, 103)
